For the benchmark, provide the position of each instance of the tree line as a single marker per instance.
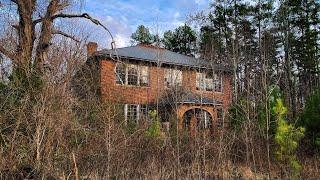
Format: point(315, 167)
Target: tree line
point(46, 131)
point(267, 42)
point(274, 49)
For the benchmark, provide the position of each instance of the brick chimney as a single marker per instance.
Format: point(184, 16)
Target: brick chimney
point(91, 48)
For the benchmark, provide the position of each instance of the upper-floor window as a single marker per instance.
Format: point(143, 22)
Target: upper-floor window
point(209, 81)
point(121, 74)
point(173, 77)
point(217, 82)
point(144, 75)
point(132, 74)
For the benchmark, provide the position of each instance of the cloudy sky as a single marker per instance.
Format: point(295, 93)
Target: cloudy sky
point(123, 16)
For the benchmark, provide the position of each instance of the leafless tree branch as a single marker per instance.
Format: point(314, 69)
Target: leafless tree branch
point(6, 53)
point(65, 35)
point(84, 15)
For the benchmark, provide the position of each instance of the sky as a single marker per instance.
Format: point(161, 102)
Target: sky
point(123, 16)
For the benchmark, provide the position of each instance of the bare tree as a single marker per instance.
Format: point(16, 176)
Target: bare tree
point(35, 31)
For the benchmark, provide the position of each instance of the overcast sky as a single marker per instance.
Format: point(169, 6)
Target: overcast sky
point(123, 16)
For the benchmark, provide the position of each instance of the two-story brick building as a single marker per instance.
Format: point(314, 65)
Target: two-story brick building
point(141, 77)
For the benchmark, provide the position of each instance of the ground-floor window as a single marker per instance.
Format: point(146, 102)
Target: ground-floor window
point(204, 120)
point(136, 112)
point(199, 117)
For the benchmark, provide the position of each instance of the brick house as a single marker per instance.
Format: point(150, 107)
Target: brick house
point(142, 77)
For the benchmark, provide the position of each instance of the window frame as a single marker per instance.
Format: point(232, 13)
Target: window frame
point(130, 75)
point(147, 75)
point(202, 83)
point(139, 114)
point(173, 77)
point(218, 77)
point(126, 110)
point(204, 122)
point(119, 74)
point(138, 75)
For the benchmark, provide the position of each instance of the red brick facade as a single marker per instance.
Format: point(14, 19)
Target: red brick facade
point(127, 94)
point(143, 95)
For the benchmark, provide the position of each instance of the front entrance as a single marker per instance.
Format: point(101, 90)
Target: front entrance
point(197, 120)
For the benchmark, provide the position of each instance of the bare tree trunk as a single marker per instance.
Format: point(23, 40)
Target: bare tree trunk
point(26, 33)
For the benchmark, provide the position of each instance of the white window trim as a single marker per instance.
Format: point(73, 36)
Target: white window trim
point(173, 80)
point(138, 106)
point(203, 82)
point(138, 76)
point(221, 80)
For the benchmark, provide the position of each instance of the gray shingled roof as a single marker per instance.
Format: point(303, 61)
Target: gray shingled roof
point(153, 54)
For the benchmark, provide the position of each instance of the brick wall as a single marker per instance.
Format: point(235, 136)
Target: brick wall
point(111, 91)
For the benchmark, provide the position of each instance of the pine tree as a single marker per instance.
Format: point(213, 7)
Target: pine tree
point(142, 35)
point(182, 40)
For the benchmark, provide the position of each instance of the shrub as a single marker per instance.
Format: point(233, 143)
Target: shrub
point(154, 131)
point(287, 138)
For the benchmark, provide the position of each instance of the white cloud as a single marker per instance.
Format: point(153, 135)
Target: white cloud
point(121, 40)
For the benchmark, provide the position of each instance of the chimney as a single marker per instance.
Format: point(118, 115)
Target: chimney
point(91, 48)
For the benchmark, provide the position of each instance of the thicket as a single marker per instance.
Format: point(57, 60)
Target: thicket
point(48, 131)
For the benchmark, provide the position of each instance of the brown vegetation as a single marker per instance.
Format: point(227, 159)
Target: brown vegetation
point(48, 132)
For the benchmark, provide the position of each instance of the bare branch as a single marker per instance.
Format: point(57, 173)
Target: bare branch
point(84, 15)
point(7, 53)
point(65, 35)
point(87, 16)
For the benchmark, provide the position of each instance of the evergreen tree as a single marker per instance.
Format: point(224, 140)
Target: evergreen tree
point(287, 138)
point(182, 40)
point(142, 35)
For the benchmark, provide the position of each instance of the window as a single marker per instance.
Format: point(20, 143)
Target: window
point(218, 82)
point(121, 74)
point(204, 81)
point(208, 82)
point(136, 112)
point(144, 75)
point(173, 77)
point(200, 81)
point(204, 120)
point(132, 112)
point(144, 112)
point(132, 74)
point(220, 117)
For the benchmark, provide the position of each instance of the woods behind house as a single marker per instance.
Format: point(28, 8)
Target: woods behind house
point(50, 130)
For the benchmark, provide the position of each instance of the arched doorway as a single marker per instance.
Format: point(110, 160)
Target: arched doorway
point(197, 119)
